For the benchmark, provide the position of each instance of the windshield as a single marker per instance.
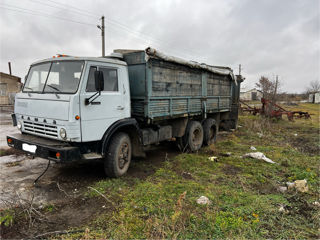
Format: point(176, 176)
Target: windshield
point(54, 77)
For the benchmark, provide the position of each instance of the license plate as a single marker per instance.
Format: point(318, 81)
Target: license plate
point(29, 148)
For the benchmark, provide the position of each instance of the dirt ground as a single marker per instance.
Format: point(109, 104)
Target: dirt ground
point(62, 186)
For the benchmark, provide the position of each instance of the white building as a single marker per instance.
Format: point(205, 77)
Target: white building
point(250, 95)
point(314, 97)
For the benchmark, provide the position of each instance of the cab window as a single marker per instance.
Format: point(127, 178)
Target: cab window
point(110, 76)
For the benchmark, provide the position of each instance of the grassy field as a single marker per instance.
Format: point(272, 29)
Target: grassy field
point(244, 194)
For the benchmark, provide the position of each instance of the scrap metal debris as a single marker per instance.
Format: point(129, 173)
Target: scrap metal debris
point(258, 155)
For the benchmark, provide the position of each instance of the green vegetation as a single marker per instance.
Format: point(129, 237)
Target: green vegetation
point(6, 217)
point(243, 192)
point(50, 208)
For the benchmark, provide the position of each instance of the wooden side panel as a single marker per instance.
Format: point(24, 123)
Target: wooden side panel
point(162, 89)
point(170, 79)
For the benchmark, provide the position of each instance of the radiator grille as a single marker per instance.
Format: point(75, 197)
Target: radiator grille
point(40, 129)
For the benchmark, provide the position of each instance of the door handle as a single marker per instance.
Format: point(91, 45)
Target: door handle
point(120, 108)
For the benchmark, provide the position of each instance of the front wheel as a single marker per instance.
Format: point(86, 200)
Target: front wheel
point(118, 155)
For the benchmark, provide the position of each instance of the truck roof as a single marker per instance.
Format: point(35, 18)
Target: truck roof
point(72, 58)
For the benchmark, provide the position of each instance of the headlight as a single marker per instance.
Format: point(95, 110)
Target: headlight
point(63, 133)
point(19, 125)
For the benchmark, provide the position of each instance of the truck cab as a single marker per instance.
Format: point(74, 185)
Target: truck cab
point(53, 102)
point(59, 102)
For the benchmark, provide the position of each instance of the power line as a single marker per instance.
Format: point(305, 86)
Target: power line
point(32, 12)
point(145, 37)
point(109, 20)
point(117, 25)
point(63, 8)
point(75, 8)
point(171, 51)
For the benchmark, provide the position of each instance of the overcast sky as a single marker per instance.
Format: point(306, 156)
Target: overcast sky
point(268, 37)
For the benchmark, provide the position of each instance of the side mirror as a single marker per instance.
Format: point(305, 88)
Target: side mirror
point(99, 81)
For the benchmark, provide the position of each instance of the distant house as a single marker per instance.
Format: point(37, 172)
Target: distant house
point(250, 95)
point(314, 97)
point(9, 86)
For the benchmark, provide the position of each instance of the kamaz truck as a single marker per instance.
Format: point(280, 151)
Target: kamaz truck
point(114, 108)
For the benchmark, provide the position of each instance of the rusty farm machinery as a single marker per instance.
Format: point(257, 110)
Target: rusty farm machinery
point(273, 110)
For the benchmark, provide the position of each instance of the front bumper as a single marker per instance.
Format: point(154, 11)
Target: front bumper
point(41, 147)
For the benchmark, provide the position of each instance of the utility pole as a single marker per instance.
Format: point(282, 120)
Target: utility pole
point(101, 27)
point(239, 69)
point(275, 90)
point(9, 64)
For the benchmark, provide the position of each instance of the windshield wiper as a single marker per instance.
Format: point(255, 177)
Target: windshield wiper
point(57, 89)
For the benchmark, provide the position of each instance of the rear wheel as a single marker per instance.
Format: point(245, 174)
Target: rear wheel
point(193, 137)
point(209, 131)
point(118, 155)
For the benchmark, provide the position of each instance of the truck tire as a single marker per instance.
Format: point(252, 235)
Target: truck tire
point(118, 155)
point(193, 137)
point(209, 131)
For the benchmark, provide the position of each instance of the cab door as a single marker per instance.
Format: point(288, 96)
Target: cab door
point(106, 108)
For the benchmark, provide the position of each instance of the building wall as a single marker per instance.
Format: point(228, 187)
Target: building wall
point(248, 95)
point(311, 96)
point(314, 97)
point(317, 97)
point(9, 86)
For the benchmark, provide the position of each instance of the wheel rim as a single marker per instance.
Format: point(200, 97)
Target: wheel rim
point(196, 136)
point(123, 156)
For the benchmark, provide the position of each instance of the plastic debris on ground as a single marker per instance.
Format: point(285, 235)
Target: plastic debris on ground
point(253, 148)
point(301, 185)
point(290, 185)
point(227, 154)
point(258, 155)
point(203, 200)
point(283, 209)
point(213, 159)
point(260, 135)
point(282, 189)
point(316, 203)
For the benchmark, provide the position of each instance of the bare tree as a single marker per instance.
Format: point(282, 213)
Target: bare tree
point(270, 89)
point(313, 87)
point(266, 87)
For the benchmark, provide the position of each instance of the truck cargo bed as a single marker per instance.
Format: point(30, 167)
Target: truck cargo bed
point(164, 88)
